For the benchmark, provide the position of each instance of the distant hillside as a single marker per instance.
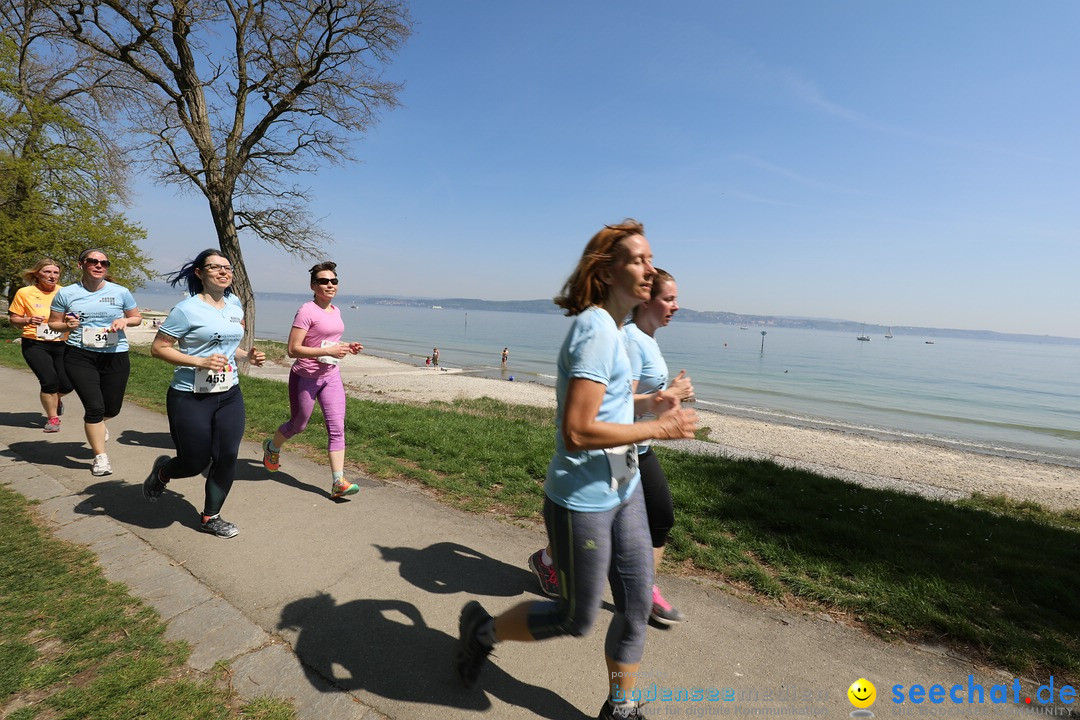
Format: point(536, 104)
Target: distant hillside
point(547, 307)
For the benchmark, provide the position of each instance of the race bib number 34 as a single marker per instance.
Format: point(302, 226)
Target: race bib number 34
point(100, 338)
point(208, 381)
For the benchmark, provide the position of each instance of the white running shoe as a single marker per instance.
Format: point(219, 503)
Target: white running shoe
point(101, 465)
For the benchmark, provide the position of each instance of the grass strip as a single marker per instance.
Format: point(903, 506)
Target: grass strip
point(988, 576)
point(74, 645)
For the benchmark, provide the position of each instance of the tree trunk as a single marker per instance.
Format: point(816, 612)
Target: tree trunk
point(225, 223)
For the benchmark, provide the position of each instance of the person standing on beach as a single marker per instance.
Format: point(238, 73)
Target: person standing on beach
point(315, 342)
point(593, 510)
point(435, 357)
point(95, 313)
point(42, 347)
point(201, 336)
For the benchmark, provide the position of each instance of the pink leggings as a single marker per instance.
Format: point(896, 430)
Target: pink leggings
point(328, 390)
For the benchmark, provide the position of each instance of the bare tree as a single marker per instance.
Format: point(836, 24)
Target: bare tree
point(240, 96)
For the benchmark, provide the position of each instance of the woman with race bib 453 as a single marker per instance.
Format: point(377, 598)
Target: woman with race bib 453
point(201, 336)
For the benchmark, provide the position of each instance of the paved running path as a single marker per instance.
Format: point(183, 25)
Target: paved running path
point(350, 608)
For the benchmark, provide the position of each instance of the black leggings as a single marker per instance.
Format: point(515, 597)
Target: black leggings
point(658, 503)
point(206, 429)
point(100, 379)
point(46, 359)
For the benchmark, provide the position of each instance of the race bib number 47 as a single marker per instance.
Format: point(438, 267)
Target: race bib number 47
point(44, 332)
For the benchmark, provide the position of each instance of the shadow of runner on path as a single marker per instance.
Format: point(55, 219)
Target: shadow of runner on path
point(385, 647)
point(23, 419)
point(124, 502)
point(253, 471)
point(74, 455)
point(138, 438)
point(450, 567)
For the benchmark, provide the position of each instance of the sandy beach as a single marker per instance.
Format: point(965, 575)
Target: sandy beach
point(908, 466)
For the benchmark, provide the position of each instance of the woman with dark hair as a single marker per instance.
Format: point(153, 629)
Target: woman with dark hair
point(95, 312)
point(201, 336)
point(42, 347)
point(315, 342)
point(594, 512)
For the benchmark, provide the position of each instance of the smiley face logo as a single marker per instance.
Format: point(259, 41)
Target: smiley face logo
point(862, 693)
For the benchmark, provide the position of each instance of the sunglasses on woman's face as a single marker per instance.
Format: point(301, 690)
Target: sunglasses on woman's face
point(95, 261)
point(326, 281)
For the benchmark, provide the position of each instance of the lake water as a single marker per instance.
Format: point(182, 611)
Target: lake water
point(1009, 398)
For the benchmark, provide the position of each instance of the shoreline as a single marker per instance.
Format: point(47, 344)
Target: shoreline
point(907, 465)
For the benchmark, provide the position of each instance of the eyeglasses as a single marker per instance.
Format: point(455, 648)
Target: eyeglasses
point(214, 267)
point(95, 261)
point(327, 281)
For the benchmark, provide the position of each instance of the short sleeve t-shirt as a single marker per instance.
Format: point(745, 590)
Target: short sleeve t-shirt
point(322, 326)
point(646, 362)
point(594, 349)
point(31, 301)
point(95, 309)
point(648, 367)
point(202, 330)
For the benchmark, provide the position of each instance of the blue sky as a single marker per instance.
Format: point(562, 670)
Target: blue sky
point(901, 162)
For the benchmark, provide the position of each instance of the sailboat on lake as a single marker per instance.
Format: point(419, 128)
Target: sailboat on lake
point(888, 334)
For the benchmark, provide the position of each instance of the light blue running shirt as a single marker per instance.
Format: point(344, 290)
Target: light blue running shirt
point(594, 349)
point(647, 366)
point(95, 310)
point(202, 330)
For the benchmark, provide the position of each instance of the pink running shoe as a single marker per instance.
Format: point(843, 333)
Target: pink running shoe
point(549, 579)
point(662, 611)
point(52, 425)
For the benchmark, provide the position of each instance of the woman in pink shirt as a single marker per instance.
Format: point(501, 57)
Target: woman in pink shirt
point(315, 343)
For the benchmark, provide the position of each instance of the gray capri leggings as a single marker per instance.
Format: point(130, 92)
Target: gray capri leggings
point(586, 548)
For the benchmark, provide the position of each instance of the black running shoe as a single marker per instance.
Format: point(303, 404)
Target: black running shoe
point(217, 526)
point(471, 653)
point(153, 485)
point(620, 712)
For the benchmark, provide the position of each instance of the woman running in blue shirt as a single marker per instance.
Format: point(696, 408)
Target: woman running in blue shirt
point(201, 336)
point(650, 374)
point(594, 512)
point(95, 313)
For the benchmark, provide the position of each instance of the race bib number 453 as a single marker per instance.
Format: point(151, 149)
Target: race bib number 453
point(208, 381)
